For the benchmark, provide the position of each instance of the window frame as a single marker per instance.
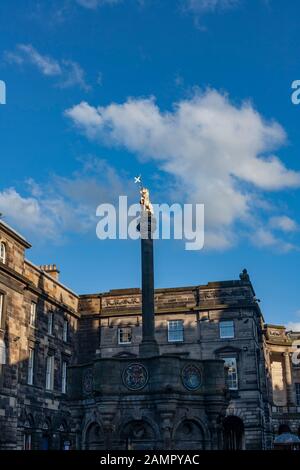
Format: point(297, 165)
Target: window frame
point(3, 252)
point(65, 332)
point(50, 373)
point(3, 357)
point(221, 324)
point(27, 441)
point(230, 374)
point(50, 323)
point(175, 330)
point(297, 392)
point(64, 366)
point(30, 370)
point(120, 330)
point(32, 318)
point(2, 301)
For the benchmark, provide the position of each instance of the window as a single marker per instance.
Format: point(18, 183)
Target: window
point(2, 252)
point(66, 445)
point(226, 329)
point(297, 385)
point(50, 323)
point(46, 442)
point(65, 330)
point(232, 377)
point(175, 331)
point(30, 367)
point(50, 373)
point(27, 444)
point(64, 377)
point(32, 314)
point(1, 308)
point(2, 353)
point(124, 335)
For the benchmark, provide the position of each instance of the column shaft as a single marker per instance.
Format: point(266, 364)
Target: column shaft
point(148, 346)
point(288, 379)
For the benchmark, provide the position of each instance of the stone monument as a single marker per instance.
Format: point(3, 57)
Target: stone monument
point(148, 400)
point(147, 225)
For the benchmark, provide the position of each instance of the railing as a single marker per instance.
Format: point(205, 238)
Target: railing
point(286, 409)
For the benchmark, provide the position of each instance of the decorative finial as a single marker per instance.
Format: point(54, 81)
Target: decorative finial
point(138, 180)
point(244, 276)
point(145, 197)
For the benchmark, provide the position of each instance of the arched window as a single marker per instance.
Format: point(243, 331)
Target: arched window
point(2, 252)
point(46, 442)
point(28, 433)
point(64, 439)
point(233, 429)
point(138, 435)
point(94, 438)
point(284, 428)
point(189, 435)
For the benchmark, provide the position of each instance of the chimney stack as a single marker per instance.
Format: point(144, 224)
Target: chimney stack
point(51, 269)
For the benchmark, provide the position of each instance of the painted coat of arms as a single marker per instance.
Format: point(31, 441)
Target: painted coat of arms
point(191, 377)
point(88, 382)
point(135, 376)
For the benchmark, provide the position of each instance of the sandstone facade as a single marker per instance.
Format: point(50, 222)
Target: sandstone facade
point(94, 341)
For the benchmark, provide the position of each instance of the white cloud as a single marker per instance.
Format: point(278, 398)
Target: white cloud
point(26, 212)
point(206, 6)
point(283, 223)
point(68, 72)
point(93, 4)
point(65, 205)
point(265, 238)
point(217, 152)
point(44, 63)
point(73, 75)
point(293, 326)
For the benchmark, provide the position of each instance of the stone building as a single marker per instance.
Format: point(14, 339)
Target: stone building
point(72, 375)
point(38, 324)
point(282, 352)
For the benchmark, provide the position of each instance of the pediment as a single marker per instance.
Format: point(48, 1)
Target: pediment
point(227, 349)
point(125, 354)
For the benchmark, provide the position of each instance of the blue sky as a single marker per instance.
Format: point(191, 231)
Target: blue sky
point(193, 94)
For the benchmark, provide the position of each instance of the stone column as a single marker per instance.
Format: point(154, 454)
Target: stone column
point(216, 442)
point(108, 429)
point(148, 346)
point(166, 427)
point(288, 379)
point(55, 441)
point(38, 437)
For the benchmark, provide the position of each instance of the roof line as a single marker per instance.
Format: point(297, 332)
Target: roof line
point(50, 277)
point(15, 233)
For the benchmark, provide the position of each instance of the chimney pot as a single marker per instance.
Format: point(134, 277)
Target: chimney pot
point(51, 269)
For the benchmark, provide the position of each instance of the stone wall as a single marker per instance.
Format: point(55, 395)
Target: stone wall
point(264, 400)
point(30, 408)
point(201, 309)
point(157, 408)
